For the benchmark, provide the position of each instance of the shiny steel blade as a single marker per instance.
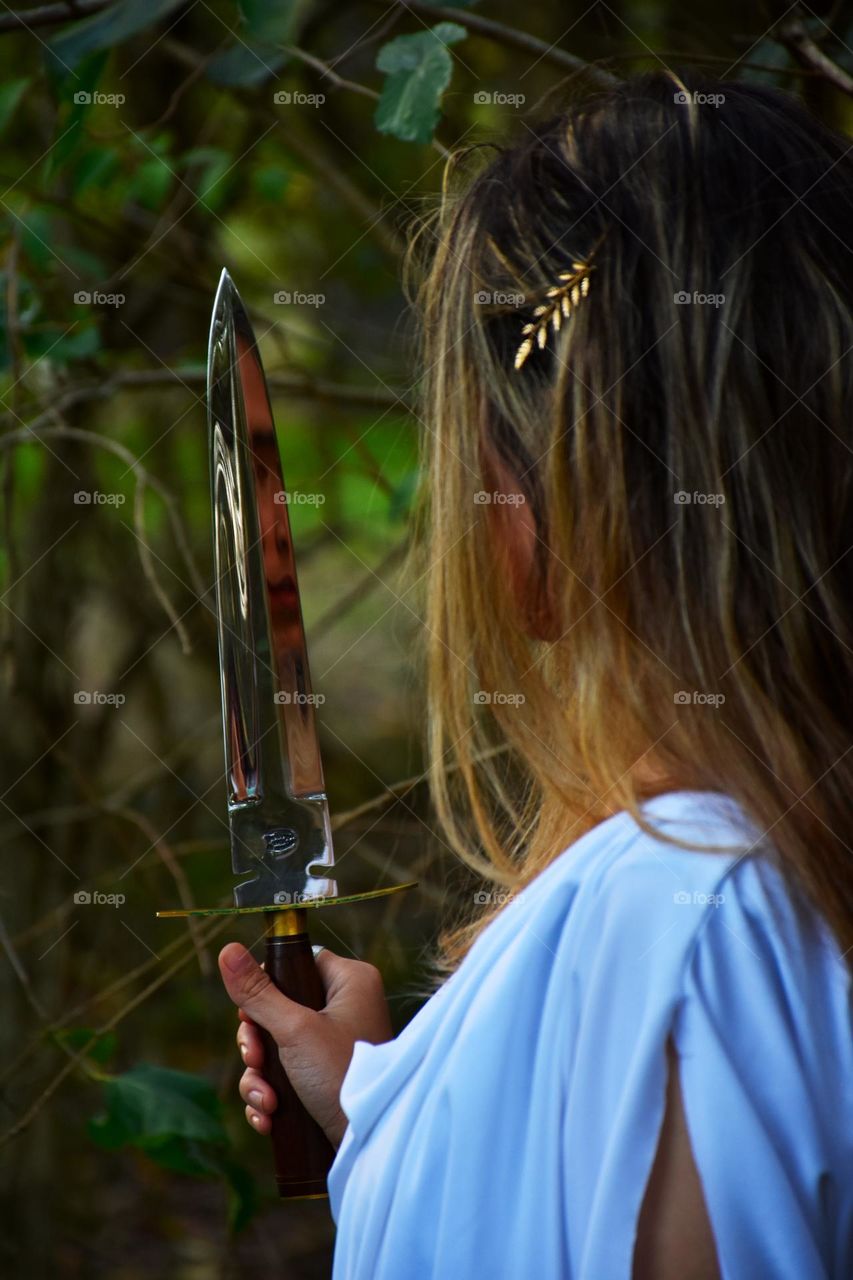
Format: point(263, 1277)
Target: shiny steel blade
point(277, 807)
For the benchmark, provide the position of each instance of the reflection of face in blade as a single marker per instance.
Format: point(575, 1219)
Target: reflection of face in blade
point(279, 567)
point(288, 638)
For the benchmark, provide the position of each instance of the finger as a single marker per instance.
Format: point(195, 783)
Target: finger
point(257, 1093)
point(334, 971)
point(241, 1013)
point(249, 1044)
point(254, 993)
point(258, 1121)
point(325, 962)
point(342, 975)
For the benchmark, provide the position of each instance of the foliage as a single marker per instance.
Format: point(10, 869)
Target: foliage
point(175, 1119)
point(418, 71)
point(144, 146)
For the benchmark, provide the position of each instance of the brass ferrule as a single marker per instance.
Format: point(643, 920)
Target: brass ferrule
point(286, 923)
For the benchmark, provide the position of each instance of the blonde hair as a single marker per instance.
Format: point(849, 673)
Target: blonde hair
point(740, 396)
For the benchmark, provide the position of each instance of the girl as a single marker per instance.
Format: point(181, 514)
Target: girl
point(637, 327)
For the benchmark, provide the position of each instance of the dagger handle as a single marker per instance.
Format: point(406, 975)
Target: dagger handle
point(303, 1154)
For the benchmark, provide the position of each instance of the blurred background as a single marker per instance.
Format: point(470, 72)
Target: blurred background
point(145, 144)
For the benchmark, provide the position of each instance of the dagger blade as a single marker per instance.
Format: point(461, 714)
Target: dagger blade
point(277, 806)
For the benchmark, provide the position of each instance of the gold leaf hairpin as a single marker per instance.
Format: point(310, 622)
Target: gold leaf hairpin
point(560, 302)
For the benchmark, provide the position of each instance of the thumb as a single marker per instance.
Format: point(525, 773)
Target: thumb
point(253, 991)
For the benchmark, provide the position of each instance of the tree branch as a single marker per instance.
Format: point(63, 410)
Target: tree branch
point(35, 432)
point(50, 15)
point(299, 385)
point(327, 72)
point(77, 1058)
point(510, 36)
point(312, 153)
point(794, 36)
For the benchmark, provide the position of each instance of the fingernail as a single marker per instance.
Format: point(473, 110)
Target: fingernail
point(256, 1120)
point(244, 1050)
point(256, 1098)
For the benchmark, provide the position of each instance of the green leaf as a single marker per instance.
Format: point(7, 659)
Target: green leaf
point(258, 55)
point(768, 54)
point(243, 1197)
point(84, 262)
point(75, 99)
point(62, 347)
point(101, 1049)
point(95, 168)
point(198, 1160)
point(246, 65)
point(270, 23)
point(106, 30)
point(29, 470)
point(150, 183)
point(209, 165)
point(10, 95)
point(148, 1107)
point(183, 1155)
point(418, 69)
point(271, 181)
point(173, 1117)
point(37, 233)
point(107, 1131)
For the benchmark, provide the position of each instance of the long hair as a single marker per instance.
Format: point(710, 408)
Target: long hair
point(679, 454)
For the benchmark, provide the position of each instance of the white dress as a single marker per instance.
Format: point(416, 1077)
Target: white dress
point(509, 1130)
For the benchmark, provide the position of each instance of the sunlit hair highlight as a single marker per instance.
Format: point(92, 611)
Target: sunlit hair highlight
point(634, 596)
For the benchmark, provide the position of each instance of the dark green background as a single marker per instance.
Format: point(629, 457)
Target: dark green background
point(111, 1166)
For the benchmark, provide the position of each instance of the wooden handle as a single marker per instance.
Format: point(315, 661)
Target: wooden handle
point(303, 1153)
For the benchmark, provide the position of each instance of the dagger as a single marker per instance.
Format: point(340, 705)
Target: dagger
point(278, 812)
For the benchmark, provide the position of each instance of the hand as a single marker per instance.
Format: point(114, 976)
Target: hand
point(315, 1047)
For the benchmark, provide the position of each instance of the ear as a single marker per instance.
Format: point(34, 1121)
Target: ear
point(518, 546)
